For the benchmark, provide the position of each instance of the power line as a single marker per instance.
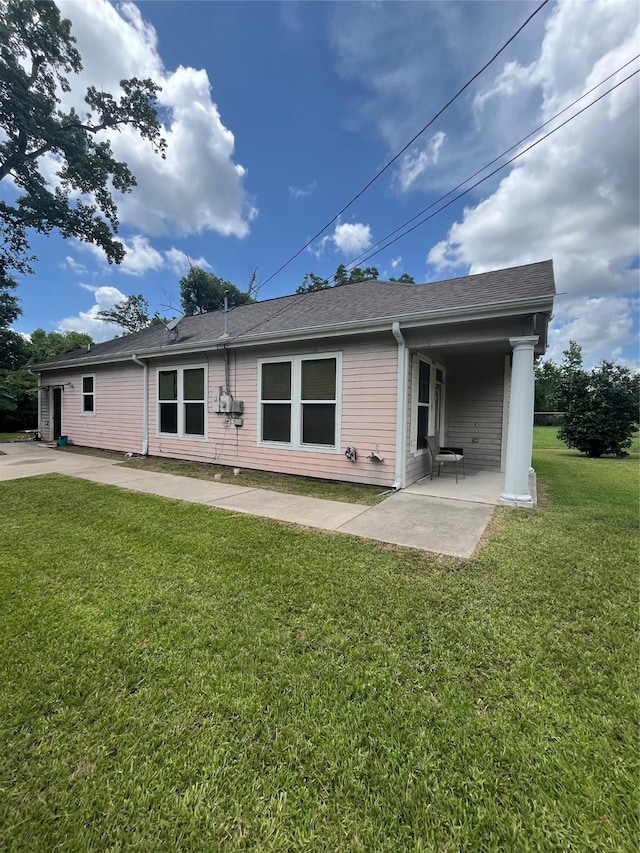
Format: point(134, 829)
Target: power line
point(289, 302)
point(409, 143)
point(491, 174)
point(359, 259)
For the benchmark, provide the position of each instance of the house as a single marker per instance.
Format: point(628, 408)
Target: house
point(344, 383)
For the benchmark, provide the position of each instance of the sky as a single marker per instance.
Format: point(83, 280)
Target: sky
point(277, 114)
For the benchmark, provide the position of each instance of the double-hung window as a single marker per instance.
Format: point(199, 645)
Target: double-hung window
point(89, 395)
point(300, 402)
point(182, 410)
point(428, 402)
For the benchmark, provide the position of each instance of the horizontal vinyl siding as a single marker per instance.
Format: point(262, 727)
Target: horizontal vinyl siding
point(475, 397)
point(116, 423)
point(367, 422)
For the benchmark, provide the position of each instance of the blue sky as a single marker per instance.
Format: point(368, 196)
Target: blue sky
point(276, 114)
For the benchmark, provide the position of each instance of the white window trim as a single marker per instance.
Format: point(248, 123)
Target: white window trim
point(83, 394)
point(296, 404)
point(415, 378)
point(180, 435)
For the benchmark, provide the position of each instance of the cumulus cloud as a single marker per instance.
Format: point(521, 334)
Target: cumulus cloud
point(574, 198)
point(179, 262)
point(395, 262)
point(198, 187)
point(351, 238)
point(140, 258)
point(88, 321)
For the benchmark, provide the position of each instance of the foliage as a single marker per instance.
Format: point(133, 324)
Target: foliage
point(17, 354)
point(37, 53)
point(312, 282)
point(547, 375)
point(181, 678)
point(132, 314)
point(201, 292)
point(600, 405)
point(405, 278)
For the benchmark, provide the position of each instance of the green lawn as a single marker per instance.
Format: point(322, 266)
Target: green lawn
point(290, 484)
point(547, 437)
point(11, 436)
point(180, 678)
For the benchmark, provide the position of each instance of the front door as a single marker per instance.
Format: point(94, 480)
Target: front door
point(57, 413)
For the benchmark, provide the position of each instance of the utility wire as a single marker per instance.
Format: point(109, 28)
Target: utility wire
point(409, 143)
point(289, 303)
point(495, 171)
point(361, 256)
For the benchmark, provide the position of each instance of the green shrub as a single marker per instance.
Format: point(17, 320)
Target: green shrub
point(600, 405)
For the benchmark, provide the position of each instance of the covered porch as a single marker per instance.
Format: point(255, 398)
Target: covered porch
point(472, 387)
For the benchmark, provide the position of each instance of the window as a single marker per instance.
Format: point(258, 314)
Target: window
point(424, 382)
point(299, 402)
point(182, 402)
point(428, 405)
point(88, 395)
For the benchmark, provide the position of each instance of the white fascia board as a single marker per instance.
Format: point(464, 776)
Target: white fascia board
point(422, 319)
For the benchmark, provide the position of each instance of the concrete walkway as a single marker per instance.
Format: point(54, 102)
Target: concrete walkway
point(408, 518)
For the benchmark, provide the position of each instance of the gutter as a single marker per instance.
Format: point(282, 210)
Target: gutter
point(426, 318)
point(145, 403)
point(400, 405)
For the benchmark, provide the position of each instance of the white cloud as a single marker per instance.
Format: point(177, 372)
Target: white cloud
point(88, 321)
point(574, 198)
point(198, 187)
point(602, 325)
point(297, 192)
point(415, 163)
point(140, 255)
point(179, 262)
point(75, 266)
point(395, 262)
point(351, 238)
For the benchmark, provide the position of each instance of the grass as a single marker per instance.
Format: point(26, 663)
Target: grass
point(11, 436)
point(180, 678)
point(547, 437)
point(326, 489)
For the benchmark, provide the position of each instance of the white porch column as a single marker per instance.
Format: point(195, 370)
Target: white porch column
point(520, 429)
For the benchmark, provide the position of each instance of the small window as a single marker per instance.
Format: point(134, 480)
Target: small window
point(88, 395)
point(182, 402)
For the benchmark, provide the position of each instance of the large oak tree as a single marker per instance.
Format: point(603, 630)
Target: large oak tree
point(37, 55)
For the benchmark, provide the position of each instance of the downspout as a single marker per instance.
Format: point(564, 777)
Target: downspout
point(401, 405)
point(39, 416)
point(145, 403)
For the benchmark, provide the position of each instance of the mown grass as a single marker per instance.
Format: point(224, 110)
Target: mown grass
point(11, 436)
point(179, 678)
point(547, 437)
point(290, 484)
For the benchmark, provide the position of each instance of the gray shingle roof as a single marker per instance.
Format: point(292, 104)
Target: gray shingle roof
point(350, 305)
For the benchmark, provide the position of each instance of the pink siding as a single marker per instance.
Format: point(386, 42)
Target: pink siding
point(368, 417)
point(116, 423)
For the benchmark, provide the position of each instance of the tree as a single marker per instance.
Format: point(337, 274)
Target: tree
point(547, 375)
point(405, 278)
point(132, 314)
point(311, 282)
point(600, 405)
point(37, 54)
point(17, 354)
point(201, 292)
